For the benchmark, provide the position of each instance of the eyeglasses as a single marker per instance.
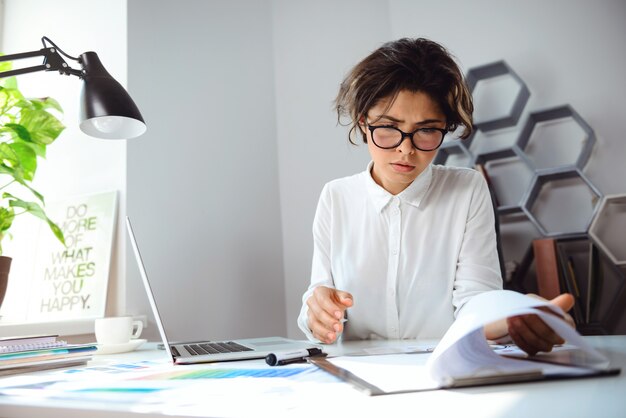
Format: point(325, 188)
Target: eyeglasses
point(424, 139)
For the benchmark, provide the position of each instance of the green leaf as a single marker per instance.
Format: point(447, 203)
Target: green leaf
point(19, 130)
point(4, 100)
point(38, 195)
point(38, 149)
point(16, 174)
point(6, 218)
point(9, 98)
point(19, 161)
point(36, 210)
point(44, 127)
point(4, 169)
point(27, 159)
point(5, 65)
point(8, 156)
point(31, 207)
point(20, 135)
point(46, 103)
point(8, 82)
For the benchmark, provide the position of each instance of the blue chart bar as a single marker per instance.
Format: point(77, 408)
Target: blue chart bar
point(230, 373)
point(226, 373)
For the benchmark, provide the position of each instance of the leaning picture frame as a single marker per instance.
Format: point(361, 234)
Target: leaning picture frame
point(70, 282)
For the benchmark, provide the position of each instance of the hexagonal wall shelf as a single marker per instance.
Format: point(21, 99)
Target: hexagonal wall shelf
point(490, 141)
point(556, 138)
point(496, 110)
point(454, 154)
point(608, 229)
point(535, 173)
point(509, 175)
point(561, 203)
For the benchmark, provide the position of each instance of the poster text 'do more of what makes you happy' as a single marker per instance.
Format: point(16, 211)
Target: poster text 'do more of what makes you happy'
point(71, 281)
point(70, 267)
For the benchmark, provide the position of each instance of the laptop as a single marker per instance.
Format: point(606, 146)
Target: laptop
point(211, 351)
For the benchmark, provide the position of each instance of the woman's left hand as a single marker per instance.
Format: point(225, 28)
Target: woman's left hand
point(532, 335)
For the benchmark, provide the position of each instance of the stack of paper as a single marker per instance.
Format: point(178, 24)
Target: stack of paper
point(464, 353)
point(464, 358)
point(40, 352)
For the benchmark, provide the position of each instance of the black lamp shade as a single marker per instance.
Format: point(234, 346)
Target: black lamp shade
point(107, 110)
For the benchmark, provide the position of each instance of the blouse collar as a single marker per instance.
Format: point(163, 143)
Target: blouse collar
point(412, 195)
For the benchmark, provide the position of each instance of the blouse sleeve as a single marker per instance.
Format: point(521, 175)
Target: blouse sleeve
point(321, 274)
point(478, 268)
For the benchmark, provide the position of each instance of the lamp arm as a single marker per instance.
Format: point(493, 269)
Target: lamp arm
point(107, 110)
point(52, 62)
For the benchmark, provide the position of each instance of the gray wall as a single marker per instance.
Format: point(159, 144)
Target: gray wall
point(203, 181)
point(315, 45)
point(228, 224)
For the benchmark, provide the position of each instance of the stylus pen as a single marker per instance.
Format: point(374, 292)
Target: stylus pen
point(287, 357)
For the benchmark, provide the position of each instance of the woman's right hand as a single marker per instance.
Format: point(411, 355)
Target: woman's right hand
point(326, 312)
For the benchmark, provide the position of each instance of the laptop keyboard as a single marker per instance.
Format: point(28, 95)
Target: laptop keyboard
point(215, 348)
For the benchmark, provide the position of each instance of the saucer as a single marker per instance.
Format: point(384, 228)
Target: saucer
point(119, 348)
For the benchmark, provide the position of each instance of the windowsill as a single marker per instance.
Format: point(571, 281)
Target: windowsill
point(63, 328)
point(67, 327)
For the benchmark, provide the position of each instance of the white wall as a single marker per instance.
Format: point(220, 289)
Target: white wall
point(76, 164)
point(203, 182)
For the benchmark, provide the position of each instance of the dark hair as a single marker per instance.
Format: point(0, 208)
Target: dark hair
point(406, 64)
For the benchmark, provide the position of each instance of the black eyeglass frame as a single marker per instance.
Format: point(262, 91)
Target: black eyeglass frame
point(409, 135)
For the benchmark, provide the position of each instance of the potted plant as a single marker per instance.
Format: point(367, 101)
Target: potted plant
point(26, 129)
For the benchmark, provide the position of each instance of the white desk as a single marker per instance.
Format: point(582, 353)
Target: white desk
point(604, 397)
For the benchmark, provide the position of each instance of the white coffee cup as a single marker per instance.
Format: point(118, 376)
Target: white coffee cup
point(117, 330)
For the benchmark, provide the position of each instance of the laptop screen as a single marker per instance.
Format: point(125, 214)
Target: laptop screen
point(146, 284)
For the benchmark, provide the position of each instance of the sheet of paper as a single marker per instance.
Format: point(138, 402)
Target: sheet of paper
point(192, 390)
point(463, 351)
point(391, 372)
point(411, 349)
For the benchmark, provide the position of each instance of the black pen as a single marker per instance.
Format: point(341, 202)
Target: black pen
point(287, 357)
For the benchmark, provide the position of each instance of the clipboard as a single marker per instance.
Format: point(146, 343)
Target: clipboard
point(536, 373)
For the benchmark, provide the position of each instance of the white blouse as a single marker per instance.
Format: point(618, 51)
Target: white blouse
point(410, 261)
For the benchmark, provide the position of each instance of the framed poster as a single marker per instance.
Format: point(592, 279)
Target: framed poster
point(71, 282)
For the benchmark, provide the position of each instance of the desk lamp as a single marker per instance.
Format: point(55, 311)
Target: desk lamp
point(107, 111)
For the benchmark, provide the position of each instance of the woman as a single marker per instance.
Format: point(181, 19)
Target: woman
point(401, 247)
